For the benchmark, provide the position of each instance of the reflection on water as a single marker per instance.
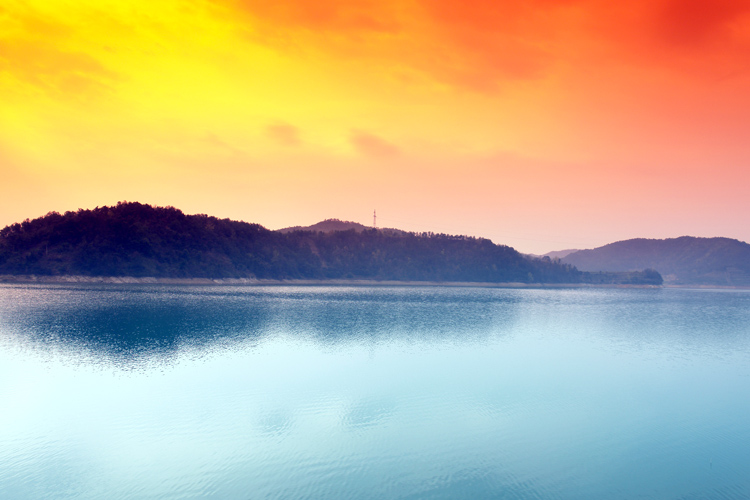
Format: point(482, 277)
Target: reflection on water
point(373, 392)
point(128, 323)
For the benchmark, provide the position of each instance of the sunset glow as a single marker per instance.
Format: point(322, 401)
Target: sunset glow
point(542, 125)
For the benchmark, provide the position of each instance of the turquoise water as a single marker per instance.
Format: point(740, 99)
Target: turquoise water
point(344, 393)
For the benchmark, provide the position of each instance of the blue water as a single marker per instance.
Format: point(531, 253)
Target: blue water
point(130, 391)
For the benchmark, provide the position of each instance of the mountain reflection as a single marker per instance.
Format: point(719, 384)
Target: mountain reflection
point(129, 322)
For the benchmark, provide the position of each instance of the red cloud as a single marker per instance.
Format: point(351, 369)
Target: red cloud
point(481, 44)
point(283, 133)
point(692, 22)
point(373, 146)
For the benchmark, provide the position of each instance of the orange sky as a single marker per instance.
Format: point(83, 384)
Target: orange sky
point(540, 124)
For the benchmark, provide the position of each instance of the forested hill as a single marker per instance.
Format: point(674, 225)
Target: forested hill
point(133, 239)
point(328, 226)
point(684, 260)
point(333, 225)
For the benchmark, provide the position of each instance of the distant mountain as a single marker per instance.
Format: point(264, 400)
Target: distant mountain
point(327, 226)
point(559, 254)
point(684, 260)
point(332, 225)
point(133, 239)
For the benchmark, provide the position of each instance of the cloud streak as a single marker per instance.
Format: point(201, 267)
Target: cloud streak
point(284, 134)
point(372, 146)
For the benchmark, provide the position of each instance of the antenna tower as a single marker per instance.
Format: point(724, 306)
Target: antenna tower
point(374, 219)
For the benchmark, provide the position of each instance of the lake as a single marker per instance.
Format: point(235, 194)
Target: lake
point(281, 392)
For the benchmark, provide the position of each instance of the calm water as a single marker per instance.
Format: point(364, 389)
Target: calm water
point(343, 393)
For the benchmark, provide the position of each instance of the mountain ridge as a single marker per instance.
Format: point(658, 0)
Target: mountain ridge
point(333, 225)
point(683, 260)
point(138, 240)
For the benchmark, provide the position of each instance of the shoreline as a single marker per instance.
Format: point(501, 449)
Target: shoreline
point(9, 279)
point(130, 280)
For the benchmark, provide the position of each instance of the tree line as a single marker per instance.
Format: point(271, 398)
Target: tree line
point(134, 239)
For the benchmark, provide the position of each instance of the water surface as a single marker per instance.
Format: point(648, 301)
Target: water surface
point(131, 391)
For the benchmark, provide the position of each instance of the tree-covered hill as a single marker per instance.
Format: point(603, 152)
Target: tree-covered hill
point(334, 225)
point(684, 260)
point(133, 239)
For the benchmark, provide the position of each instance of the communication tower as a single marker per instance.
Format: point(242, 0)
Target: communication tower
point(374, 219)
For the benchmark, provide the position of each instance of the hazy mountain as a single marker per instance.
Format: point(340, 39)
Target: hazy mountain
point(132, 239)
point(559, 254)
point(327, 226)
point(331, 225)
point(684, 260)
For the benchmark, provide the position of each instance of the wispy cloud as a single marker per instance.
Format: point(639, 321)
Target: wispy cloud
point(373, 146)
point(284, 134)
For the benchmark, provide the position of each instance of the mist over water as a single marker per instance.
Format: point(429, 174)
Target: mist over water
point(373, 392)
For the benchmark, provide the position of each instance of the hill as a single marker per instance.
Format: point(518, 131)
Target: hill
point(560, 254)
point(332, 225)
point(327, 226)
point(684, 260)
point(133, 239)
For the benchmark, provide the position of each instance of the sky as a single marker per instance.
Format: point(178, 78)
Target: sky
point(539, 124)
